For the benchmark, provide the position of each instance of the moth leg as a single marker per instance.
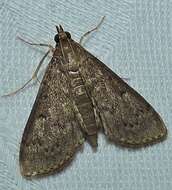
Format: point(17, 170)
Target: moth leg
point(96, 28)
point(37, 44)
point(34, 76)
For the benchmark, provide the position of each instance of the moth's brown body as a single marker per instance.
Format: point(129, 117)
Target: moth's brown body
point(79, 96)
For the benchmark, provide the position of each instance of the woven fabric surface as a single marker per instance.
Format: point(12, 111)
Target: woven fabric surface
point(134, 40)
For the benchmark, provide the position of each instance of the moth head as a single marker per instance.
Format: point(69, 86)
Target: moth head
point(61, 34)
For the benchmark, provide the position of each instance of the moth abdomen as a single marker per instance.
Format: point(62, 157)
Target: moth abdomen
point(83, 103)
point(76, 82)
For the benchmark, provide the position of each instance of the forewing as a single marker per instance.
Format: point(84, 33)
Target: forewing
point(52, 133)
point(127, 118)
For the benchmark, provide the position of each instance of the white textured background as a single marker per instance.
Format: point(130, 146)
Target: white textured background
point(135, 41)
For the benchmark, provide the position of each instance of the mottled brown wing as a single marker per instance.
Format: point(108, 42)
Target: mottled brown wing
point(52, 133)
point(127, 118)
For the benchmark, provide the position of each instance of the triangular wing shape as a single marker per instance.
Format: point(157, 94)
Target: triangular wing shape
point(127, 118)
point(52, 133)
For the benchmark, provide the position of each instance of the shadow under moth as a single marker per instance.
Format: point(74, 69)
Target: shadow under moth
point(79, 96)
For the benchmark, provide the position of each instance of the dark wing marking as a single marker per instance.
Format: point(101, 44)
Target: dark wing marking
point(127, 118)
point(52, 133)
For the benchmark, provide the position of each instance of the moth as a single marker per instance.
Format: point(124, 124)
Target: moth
point(79, 96)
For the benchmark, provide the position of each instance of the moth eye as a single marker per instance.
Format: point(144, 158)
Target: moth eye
point(56, 38)
point(68, 35)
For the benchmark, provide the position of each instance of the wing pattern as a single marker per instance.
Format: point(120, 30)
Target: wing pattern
point(52, 134)
point(127, 118)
